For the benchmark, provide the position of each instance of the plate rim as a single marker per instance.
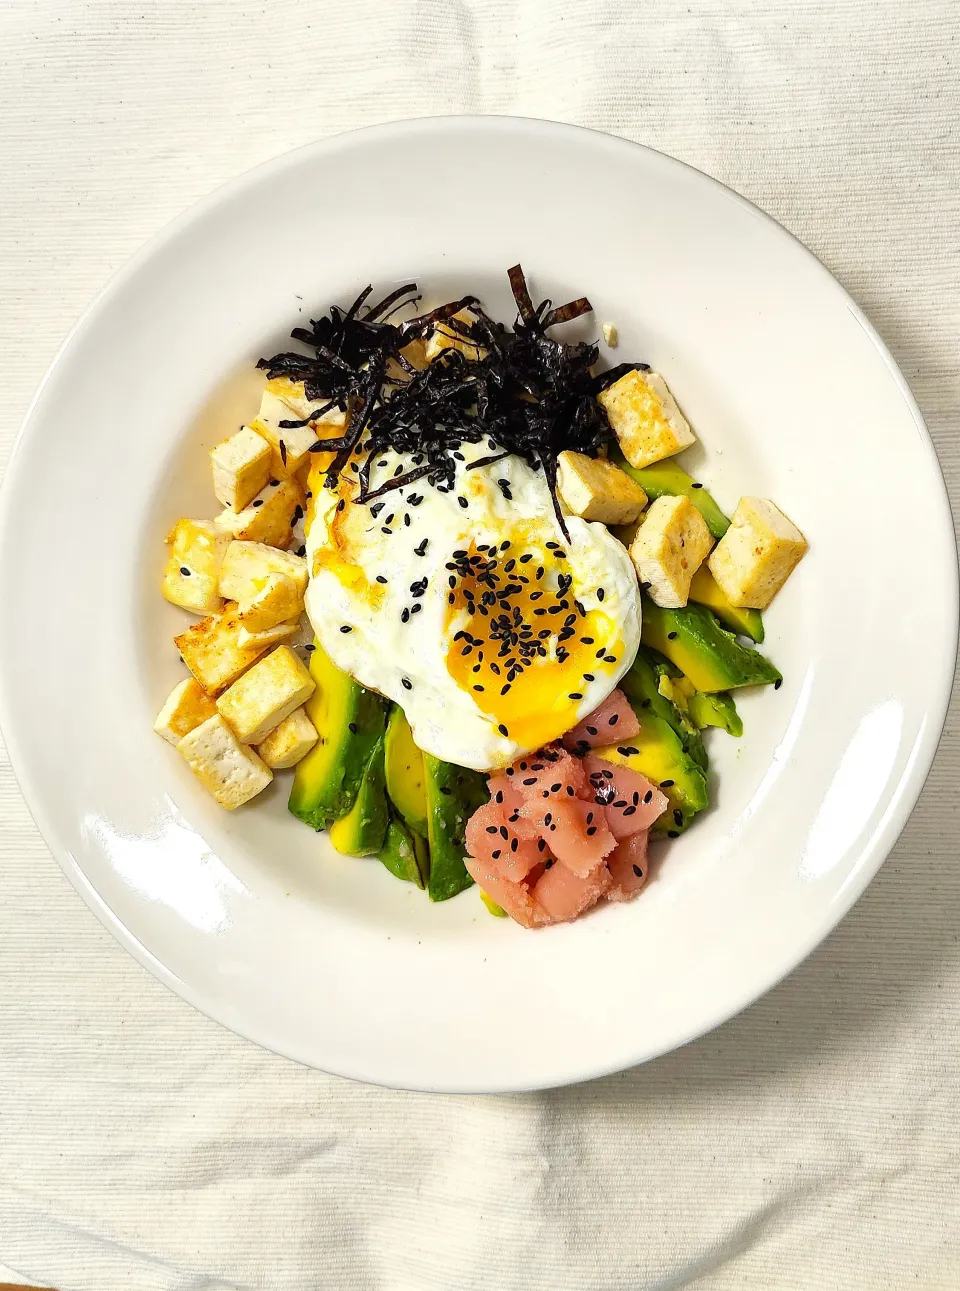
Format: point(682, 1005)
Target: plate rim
point(908, 789)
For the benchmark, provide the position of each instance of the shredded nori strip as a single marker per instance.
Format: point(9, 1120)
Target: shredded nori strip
point(524, 392)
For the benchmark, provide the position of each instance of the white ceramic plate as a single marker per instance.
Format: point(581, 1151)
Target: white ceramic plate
point(251, 917)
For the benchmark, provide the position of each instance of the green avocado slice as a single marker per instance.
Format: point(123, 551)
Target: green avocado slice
point(667, 479)
point(712, 658)
point(718, 710)
point(704, 590)
point(453, 795)
point(399, 854)
point(363, 830)
point(350, 720)
point(406, 781)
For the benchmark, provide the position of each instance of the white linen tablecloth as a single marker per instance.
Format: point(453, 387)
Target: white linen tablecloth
point(814, 1141)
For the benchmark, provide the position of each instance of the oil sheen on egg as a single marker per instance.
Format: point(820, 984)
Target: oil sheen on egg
point(469, 609)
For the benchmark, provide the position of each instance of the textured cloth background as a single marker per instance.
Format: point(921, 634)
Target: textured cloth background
point(812, 1142)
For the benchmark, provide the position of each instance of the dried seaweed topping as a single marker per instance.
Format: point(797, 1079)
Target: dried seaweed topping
point(522, 391)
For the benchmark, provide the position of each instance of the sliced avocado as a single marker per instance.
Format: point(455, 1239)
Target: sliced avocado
point(350, 720)
point(363, 830)
point(405, 776)
point(711, 657)
point(667, 479)
point(705, 591)
point(657, 753)
point(398, 854)
point(716, 710)
point(453, 795)
point(642, 687)
point(497, 911)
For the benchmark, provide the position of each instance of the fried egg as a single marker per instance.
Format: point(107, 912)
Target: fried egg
point(468, 607)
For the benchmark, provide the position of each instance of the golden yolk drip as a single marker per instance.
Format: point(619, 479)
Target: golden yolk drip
point(520, 646)
point(346, 532)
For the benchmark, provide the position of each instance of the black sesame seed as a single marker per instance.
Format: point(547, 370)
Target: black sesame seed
point(480, 688)
point(496, 855)
point(548, 865)
point(463, 501)
point(591, 830)
point(341, 505)
point(627, 750)
point(575, 694)
point(345, 627)
point(672, 833)
point(638, 872)
point(504, 832)
point(445, 790)
point(381, 579)
point(258, 502)
point(671, 636)
point(406, 683)
point(514, 844)
point(778, 683)
point(588, 676)
point(600, 593)
point(666, 784)
point(648, 796)
point(696, 486)
point(302, 551)
point(404, 615)
point(184, 571)
point(502, 729)
point(352, 728)
point(491, 829)
point(309, 648)
point(677, 816)
point(614, 719)
point(629, 811)
point(591, 730)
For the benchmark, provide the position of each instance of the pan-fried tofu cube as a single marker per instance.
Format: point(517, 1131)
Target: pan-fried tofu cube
point(212, 651)
point(269, 636)
point(645, 418)
point(757, 554)
point(595, 489)
point(226, 768)
point(187, 705)
point(247, 566)
point(285, 400)
point(669, 548)
point(278, 599)
point(241, 468)
point(269, 518)
point(445, 337)
point(264, 696)
point(192, 575)
point(289, 742)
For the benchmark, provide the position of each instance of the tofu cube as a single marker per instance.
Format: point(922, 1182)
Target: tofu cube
point(241, 468)
point(187, 705)
point(247, 566)
point(645, 418)
point(595, 489)
point(269, 518)
point(289, 742)
point(226, 768)
point(191, 578)
point(275, 601)
point(757, 554)
point(264, 696)
point(285, 400)
point(268, 636)
point(212, 651)
point(444, 337)
point(669, 548)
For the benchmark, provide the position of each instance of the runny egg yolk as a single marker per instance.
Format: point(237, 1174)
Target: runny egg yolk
point(521, 645)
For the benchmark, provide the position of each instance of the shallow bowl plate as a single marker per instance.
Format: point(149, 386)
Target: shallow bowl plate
point(251, 917)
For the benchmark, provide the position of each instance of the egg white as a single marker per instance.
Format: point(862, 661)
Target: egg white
point(358, 619)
